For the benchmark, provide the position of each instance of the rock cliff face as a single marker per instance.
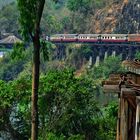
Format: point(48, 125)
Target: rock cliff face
point(122, 16)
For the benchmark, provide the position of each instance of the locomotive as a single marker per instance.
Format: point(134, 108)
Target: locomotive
point(94, 38)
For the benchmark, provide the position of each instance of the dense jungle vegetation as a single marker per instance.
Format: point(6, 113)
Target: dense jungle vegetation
point(72, 106)
point(62, 17)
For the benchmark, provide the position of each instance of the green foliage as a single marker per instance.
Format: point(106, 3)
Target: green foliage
point(5, 98)
point(51, 25)
point(67, 107)
point(85, 6)
point(10, 68)
point(51, 136)
point(78, 55)
point(109, 66)
point(8, 19)
point(46, 48)
point(57, 17)
point(14, 100)
point(27, 17)
point(76, 137)
point(86, 51)
point(68, 100)
point(137, 55)
point(18, 51)
point(108, 122)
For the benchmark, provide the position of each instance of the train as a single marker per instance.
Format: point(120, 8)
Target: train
point(94, 38)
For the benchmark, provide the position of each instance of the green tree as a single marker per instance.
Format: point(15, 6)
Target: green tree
point(30, 17)
point(70, 108)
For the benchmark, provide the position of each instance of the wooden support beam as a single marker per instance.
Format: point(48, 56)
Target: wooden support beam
point(124, 120)
point(111, 89)
point(137, 125)
point(118, 120)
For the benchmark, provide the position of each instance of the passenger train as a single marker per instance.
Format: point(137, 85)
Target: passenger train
point(94, 38)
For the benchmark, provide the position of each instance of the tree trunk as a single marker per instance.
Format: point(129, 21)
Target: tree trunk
point(35, 71)
point(35, 85)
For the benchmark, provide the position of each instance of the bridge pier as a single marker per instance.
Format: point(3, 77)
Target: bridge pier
point(97, 62)
point(124, 53)
point(109, 51)
point(118, 50)
point(101, 52)
point(94, 54)
point(113, 53)
point(130, 53)
point(60, 51)
point(106, 55)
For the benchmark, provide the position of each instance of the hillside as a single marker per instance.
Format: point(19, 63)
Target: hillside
point(115, 16)
point(119, 17)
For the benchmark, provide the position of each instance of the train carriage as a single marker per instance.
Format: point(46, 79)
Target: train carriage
point(134, 37)
point(113, 37)
point(63, 38)
point(88, 37)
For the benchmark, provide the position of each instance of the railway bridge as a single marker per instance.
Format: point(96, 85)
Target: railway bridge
point(102, 45)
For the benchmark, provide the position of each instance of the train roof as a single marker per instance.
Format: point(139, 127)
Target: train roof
point(64, 35)
point(102, 34)
point(92, 34)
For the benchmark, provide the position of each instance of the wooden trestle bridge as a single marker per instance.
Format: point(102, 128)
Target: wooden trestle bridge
point(127, 86)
